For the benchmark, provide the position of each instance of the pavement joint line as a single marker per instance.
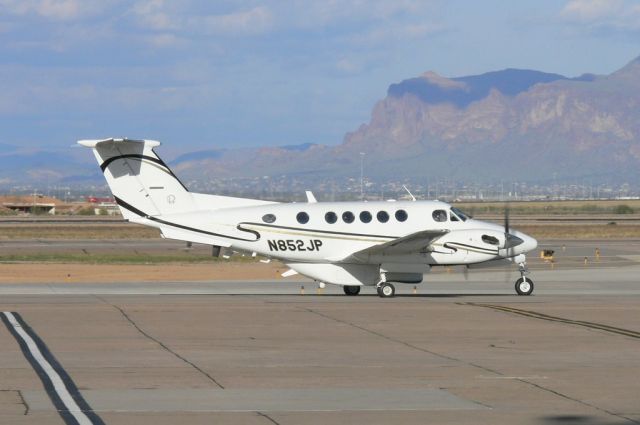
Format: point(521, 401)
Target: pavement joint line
point(542, 316)
point(540, 387)
point(22, 400)
point(161, 344)
point(584, 403)
point(524, 381)
point(62, 391)
point(407, 344)
point(269, 418)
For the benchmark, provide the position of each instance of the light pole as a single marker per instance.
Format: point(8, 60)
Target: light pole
point(362, 176)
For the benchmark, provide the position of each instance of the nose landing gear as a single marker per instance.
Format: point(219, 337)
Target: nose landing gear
point(524, 285)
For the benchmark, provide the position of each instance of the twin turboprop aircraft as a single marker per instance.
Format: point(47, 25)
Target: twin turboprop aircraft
point(352, 244)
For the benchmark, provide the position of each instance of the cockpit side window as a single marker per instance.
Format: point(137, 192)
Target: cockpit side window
point(490, 240)
point(439, 215)
point(460, 214)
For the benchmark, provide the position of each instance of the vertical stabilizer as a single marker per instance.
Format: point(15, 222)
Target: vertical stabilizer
point(141, 182)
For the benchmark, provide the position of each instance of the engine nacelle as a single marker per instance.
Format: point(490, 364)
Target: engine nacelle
point(468, 246)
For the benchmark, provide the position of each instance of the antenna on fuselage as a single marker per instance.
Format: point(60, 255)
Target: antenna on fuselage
point(413, 198)
point(311, 199)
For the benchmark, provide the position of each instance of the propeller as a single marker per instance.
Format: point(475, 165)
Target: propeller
point(510, 241)
point(507, 270)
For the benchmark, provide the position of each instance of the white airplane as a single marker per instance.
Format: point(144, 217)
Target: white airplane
point(352, 244)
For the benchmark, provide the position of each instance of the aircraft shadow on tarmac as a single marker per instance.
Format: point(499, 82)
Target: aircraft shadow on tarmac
point(576, 420)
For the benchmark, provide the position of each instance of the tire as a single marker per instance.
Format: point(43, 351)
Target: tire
point(386, 290)
point(351, 290)
point(524, 288)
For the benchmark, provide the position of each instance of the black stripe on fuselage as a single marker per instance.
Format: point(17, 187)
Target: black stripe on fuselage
point(157, 160)
point(328, 232)
point(471, 247)
point(142, 214)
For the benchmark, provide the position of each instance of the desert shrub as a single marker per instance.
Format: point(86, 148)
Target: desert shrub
point(589, 208)
point(623, 209)
point(86, 211)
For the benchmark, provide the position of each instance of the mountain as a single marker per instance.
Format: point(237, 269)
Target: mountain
point(509, 125)
point(20, 166)
point(504, 125)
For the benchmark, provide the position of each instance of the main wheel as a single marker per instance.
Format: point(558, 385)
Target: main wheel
point(386, 290)
point(351, 290)
point(524, 287)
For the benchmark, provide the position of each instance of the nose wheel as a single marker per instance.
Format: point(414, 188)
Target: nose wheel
point(524, 285)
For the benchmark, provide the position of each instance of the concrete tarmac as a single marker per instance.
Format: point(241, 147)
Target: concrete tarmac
point(456, 352)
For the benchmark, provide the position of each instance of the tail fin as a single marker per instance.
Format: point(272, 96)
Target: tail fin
point(142, 184)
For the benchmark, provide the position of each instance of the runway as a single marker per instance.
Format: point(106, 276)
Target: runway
point(260, 352)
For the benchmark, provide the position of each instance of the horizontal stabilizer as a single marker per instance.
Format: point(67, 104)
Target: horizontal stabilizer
point(92, 143)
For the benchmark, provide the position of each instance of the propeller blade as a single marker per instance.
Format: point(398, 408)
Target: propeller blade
point(506, 219)
point(510, 241)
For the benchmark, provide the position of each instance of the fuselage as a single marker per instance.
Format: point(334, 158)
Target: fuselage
point(327, 232)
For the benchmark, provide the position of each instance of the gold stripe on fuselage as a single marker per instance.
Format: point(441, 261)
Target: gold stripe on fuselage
point(311, 233)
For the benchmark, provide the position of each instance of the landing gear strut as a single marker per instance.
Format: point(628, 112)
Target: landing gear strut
point(351, 290)
point(386, 290)
point(524, 285)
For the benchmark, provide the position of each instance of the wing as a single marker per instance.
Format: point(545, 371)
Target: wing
point(409, 244)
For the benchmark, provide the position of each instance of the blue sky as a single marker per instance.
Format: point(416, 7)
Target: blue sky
point(202, 74)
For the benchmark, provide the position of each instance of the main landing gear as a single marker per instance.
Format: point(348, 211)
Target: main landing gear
point(386, 290)
point(524, 285)
point(351, 290)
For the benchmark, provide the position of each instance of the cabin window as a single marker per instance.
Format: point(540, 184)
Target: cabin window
point(382, 216)
point(490, 240)
point(365, 217)
point(439, 215)
point(401, 215)
point(269, 218)
point(331, 217)
point(348, 217)
point(302, 217)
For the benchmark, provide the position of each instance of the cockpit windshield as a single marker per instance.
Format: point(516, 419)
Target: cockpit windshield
point(455, 211)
